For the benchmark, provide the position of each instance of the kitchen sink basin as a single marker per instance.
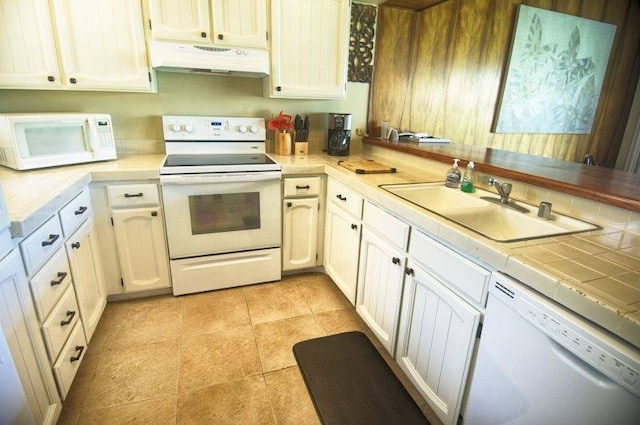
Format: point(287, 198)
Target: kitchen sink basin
point(494, 221)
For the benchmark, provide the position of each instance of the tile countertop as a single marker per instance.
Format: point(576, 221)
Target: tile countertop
point(595, 274)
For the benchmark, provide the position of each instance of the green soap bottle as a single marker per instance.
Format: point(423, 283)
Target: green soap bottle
point(467, 179)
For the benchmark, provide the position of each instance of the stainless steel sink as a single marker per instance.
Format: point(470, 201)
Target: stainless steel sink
point(497, 222)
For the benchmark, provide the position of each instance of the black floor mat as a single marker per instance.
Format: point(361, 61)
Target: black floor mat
point(350, 383)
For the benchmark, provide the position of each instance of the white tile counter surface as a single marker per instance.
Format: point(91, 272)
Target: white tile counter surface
point(595, 274)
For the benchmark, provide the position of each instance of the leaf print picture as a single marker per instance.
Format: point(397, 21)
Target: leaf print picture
point(555, 73)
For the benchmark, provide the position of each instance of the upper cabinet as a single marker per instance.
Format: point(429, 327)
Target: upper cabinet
point(309, 49)
point(73, 44)
point(237, 23)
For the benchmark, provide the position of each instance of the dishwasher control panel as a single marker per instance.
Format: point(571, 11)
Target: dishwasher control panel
point(610, 356)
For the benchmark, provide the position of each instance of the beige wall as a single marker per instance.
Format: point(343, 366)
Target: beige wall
point(136, 116)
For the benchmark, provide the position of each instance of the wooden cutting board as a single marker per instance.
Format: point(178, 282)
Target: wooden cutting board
point(365, 166)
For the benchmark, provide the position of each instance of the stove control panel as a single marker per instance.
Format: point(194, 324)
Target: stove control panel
point(201, 128)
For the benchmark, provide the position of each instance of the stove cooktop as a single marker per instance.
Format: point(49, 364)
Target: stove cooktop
point(217, 163)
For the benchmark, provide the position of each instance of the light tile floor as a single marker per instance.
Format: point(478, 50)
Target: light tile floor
point(222, 357)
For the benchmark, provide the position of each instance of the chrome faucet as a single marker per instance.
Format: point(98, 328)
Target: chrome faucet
point(504, 189)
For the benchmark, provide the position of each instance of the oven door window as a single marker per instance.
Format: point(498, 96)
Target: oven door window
point(224, 212)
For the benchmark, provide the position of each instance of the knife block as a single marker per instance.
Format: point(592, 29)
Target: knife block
point(301, 148)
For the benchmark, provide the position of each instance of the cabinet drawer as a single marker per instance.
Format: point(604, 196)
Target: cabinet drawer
point(60, 323)
point(393, 229)
point(71, 356)
point(460, 274)
point(128, 195)
point(346, 198)
point(41, 244)
point(301, 186)
point(48, 285)
point(75, 212)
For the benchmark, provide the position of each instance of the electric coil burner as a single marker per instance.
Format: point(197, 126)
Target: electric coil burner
point(221, 196)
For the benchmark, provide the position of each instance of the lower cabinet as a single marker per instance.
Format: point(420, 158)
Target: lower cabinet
point(380, 286)
point(299, 233)
point(25, 350)
point(141, 248)
point(342, 244)
point(86, 266)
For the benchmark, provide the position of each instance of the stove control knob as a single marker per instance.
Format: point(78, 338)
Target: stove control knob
point(188, 128)
point(243, 129)
point(254, 129)
point(175, 127)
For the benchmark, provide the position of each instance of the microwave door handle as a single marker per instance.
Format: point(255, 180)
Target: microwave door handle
point(92, 136)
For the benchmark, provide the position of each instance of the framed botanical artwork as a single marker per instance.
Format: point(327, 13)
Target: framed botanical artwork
point(555, 73)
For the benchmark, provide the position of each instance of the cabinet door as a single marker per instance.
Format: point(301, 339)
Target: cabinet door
point(27, 48)
point(142, 248)
point(180, 20)
point(88, 279)
point(341, 247)
point(380, 286)
point(241, 23)
point(309, 48)
point(102, 44)
point(19, 325)
point(435, 342)
point(299, 233)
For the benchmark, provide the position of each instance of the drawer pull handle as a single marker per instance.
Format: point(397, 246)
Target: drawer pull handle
point(79, 350)
point(354, 226)
point(70, 315)
point(52, 239)
point(395, 260)
point(135, 195)
point(80, 210)
point(409, 271)
point(75, 245)
point(303, 187)
point(61, 276)
point(342, 198)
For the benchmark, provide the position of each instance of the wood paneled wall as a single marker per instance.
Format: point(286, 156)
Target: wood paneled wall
point(440, 70)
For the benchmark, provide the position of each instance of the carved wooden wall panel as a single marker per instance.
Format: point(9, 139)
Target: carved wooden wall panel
point(460, 51)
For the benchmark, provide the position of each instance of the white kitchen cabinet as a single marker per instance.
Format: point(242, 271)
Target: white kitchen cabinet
point(27, 47)
point(19, 325)
point(142, 249)
point(381, 273)
point(77, 44)
point(299, 233)
point(341, 248)
point(309, 49)
point(15, 406)
point(86, 267)
point(435, 341)
point(236, 23)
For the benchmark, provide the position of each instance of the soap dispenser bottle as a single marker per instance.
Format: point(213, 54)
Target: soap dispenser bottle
point(453, 175)
point(467, 179)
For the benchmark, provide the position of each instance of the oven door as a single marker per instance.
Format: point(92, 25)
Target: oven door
point(221, 213)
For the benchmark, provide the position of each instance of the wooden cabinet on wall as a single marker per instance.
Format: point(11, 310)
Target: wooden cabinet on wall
point(309, 49)
point(235, 23)
point(75, 44)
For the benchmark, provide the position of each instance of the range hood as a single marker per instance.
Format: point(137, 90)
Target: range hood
point(212, 60)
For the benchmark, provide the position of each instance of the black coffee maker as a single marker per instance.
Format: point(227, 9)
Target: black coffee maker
point(339, 135)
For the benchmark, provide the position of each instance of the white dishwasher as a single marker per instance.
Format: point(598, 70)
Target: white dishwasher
point(538, 363)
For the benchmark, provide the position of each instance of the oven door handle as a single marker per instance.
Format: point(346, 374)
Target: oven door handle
point(209, 178)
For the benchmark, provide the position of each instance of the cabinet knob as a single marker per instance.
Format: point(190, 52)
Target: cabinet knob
point(289, 204)
point(154, 213)
point(354, 226)
point(395, 260)
point(342, 198)
point(70, 315)
point(278, 88)
point(79, 350)
point(61, 276)
point(73, 80)
point(51, 78)
point(220, 37)
point(75, 245)
point(51, 240)
point(203, 34)
point(409, 271)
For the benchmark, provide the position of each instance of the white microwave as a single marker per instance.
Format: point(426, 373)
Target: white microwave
point(35, 140)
